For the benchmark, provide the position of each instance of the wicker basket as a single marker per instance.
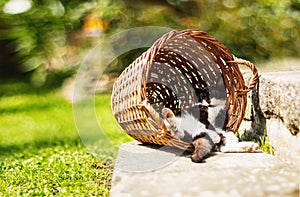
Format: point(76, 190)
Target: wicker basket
point(180, 68)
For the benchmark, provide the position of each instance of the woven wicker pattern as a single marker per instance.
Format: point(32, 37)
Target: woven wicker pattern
point(181, 68)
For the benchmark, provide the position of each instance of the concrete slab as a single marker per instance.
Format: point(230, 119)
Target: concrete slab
point(155, 171)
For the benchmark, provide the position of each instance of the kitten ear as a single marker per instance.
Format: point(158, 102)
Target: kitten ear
point(221, 143)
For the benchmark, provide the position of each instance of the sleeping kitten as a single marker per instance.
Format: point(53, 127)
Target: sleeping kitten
point(206, 132)
point(191, 130)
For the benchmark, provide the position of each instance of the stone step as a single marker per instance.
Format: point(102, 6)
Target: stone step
point(142, 170)
point(274, 107)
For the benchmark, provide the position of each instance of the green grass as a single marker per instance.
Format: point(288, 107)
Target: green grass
point(262, 141)
point(41, 152)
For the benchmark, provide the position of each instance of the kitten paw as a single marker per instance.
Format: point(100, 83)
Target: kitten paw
point(167, 113)
point(252, 147)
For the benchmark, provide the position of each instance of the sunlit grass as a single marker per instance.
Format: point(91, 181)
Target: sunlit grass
point(41, 152)
point(262, 141)
point(59, 170)
point(42, 118)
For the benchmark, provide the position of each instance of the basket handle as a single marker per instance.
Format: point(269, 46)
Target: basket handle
point(254, 74)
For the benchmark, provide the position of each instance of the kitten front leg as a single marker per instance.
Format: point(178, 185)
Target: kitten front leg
point(174, 125)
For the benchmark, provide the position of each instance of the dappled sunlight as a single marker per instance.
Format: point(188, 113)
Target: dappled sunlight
point(17, 6)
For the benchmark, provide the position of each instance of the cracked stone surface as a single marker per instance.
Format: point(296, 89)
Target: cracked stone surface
point(279, 94)
point(224, 174)
point(285, 145)
point(274, 107)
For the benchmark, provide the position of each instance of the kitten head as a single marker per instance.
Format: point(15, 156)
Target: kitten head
point(203, 147)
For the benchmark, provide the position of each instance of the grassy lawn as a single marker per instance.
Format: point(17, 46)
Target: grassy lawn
point(41, 152)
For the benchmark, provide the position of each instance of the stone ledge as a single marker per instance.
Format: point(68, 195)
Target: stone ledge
point(225, 174)
point(279, 96)
point(286, 146)
point(274, 107)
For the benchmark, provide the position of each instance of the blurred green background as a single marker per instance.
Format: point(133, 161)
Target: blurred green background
point(50, 36)
point(43, 42)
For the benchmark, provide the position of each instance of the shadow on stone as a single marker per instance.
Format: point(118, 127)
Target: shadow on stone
point(226, 174)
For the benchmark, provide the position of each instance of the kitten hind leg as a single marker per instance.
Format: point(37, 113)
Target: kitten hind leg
point(240, 147)
point(233, 145)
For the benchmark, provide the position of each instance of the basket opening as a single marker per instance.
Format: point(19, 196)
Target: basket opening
point(182, 81)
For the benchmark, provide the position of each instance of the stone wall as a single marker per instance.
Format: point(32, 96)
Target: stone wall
point(274, 108)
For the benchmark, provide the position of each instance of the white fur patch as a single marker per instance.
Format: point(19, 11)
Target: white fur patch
point(213, 111)
point(214, 108)
point(194, 127)
point(190, 124)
